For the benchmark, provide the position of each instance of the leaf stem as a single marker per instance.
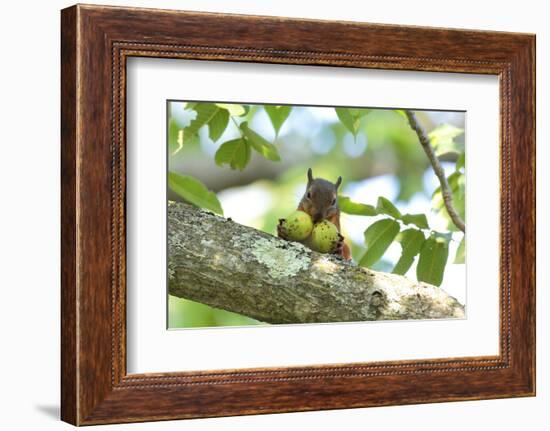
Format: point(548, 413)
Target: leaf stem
point(428, 231)
point(237, 126)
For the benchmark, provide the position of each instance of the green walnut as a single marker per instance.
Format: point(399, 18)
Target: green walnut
point(297, 226)
point(324, 237)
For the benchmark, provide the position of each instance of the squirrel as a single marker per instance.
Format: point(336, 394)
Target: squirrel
point(320, 201)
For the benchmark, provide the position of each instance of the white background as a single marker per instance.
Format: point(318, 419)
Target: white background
point(151, 348)
point(29, 217)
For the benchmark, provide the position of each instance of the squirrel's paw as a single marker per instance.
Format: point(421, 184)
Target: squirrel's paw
point(281, 230)
point(339, 246)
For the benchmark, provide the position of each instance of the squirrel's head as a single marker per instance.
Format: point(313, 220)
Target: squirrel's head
point(320, 200)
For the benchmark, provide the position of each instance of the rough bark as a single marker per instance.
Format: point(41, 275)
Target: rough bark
point(221, 263)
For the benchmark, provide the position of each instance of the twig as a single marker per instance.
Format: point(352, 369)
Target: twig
point(438, 170)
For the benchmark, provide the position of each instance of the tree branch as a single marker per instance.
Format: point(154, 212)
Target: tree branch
point(230, 266)
point(438, 170)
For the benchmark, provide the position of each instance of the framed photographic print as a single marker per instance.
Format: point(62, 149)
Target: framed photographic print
point(285, 220)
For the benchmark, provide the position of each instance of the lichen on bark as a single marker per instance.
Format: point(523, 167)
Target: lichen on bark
point(280, 259)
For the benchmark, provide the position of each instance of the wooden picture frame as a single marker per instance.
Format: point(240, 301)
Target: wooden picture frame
point(95, 43)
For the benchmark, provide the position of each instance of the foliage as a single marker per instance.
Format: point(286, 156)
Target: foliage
point(189, 314)
point(277, 115)
point(378, 237)
point(235, 153)
point(411, 241)
point(351, 118)
point(443, 140)
point(432, 260)
point(195, 192)
point(355, 208)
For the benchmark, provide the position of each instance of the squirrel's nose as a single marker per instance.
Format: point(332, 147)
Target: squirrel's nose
point(317, 217)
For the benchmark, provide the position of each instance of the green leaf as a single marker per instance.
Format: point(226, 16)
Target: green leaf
point(411, 242)
point(419, 220)
point(218, 124)
point(235, 153)
point(176, 138)
point(461, 251)
point(347, 119)
point(410, 180)
point(234, 109)
point(432, 260)
point(350, 117)
point(461, 161)
point(205, 112)
point(359, 112)
point(442, 138)
point(355, 208)
point(277, 115)
point(194, 192)
point(173, 136)
point(265, 148)
point(378, 237)
point(401, 112)
point(384, 206)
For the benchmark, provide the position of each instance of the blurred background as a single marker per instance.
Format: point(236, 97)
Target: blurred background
point(377, 154)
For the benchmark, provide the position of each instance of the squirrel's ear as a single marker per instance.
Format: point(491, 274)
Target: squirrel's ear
point(338, 182)
point(309, 175)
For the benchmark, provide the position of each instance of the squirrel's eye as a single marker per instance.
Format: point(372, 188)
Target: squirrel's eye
point(333, 201)
point(308, 195)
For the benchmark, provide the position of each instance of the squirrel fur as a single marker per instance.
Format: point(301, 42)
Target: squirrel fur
point(320, 201)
